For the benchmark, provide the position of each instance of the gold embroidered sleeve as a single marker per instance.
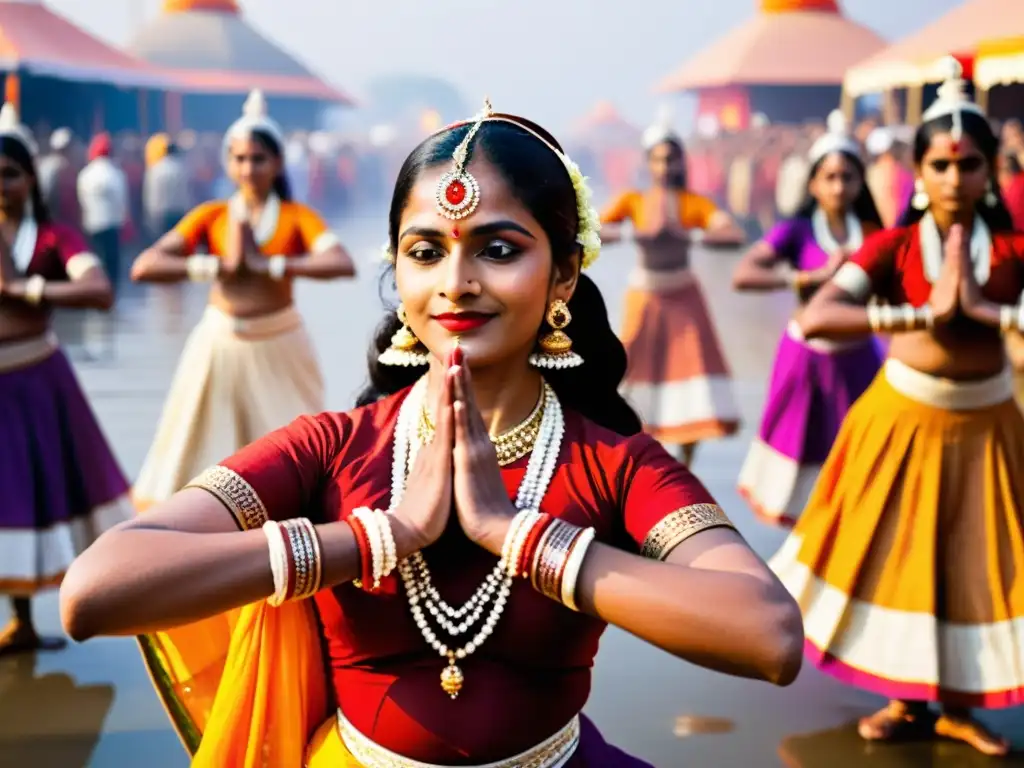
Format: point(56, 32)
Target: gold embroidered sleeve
point(235, 493)
point(676, 527)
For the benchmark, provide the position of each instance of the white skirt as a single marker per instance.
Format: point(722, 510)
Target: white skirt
point(237, 380)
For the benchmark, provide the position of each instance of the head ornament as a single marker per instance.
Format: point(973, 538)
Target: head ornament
point(11, 128)
point(952, 98)
point(836, 139)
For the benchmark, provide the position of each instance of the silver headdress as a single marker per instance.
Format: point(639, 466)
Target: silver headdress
point(254, 118)
point(952, 98)
point(11, 128)
point(661, 131)
point(836, 139)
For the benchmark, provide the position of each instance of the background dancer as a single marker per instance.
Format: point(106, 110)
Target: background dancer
point(814, 382)
point(60, 485)
point(907, 561)
point(249, 366)
point(677, 378)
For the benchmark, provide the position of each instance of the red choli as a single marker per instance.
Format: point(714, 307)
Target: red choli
point(533, 673)
point(892, 259)
point(56, 245)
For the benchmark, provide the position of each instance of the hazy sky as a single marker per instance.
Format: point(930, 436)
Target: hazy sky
point(549, 59)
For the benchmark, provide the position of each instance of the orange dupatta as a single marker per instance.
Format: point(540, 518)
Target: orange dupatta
point(245, 689)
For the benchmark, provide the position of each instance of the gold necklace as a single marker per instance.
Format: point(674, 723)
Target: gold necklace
point(511, 445)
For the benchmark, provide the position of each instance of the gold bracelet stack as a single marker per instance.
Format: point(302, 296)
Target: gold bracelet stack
point(884, 317)
point(295, 559)
point(202, 268)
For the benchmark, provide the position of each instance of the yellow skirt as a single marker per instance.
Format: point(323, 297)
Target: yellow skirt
point(908, 560)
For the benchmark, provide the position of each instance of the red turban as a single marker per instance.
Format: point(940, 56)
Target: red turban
point(100, 146)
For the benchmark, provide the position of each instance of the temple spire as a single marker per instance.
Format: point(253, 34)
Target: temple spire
point(788, 6)
point(216, 6)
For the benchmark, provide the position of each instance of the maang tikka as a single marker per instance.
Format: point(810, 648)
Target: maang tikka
point(458, 193)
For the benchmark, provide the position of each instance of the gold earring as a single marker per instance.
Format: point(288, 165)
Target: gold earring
point(555, 347)
point(920, 199)
point(405, 349)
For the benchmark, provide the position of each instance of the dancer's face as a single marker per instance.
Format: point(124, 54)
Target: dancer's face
point(666, 164)
point(252, 166)
point(486, 279)
point(836, 183)
point(15, 186)
point(955, 174)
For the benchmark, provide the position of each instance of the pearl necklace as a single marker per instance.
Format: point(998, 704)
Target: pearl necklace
point(933, 252)
point(414, 572)
point(827, 241)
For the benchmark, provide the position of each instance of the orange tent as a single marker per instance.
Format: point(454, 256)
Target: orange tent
point(208, 47)
point(787, 45)
point(916, 60)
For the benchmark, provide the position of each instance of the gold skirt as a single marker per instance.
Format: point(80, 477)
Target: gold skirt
point(907, 561)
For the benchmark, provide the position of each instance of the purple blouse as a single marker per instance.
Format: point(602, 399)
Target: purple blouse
point(793, 240)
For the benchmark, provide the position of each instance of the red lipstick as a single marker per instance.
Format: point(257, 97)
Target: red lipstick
point(462, 322)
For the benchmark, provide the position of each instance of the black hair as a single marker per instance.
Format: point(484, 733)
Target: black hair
point(282, 187)
point(537, 176)
point(16, 151)
point(1012, 162)
point(997, 217)
point(679, 178)
point(172, 148)
point(863, 207)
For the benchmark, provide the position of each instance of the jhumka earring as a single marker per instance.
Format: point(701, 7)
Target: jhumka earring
point(405, 349)
point(991, 198)
point(920, 200)
point(555, 348)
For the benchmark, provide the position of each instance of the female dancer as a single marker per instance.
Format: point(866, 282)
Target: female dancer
point(814, 382)
point(59, 482)
point(907, 560)
point(677, 377)
point(248, 367)
point(488, 227)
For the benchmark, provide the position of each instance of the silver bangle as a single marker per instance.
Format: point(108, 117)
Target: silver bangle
point(888, 316)
point(1006, 318)
point(909, 317)
point(202, 268)
point(926, 314)
point(874, 317)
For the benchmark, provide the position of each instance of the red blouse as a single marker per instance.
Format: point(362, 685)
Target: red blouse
point(533, 674)
point(893, 261)
point(56, 245)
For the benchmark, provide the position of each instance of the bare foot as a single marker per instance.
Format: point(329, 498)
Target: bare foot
point(963, 727)
point(18, 637)
point(894, 720)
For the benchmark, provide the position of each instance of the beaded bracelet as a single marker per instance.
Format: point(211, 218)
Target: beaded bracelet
point(295, 559)
point(378, 553)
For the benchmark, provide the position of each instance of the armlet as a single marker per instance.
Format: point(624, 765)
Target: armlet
point(676, 527)
point(854, 280)
point(235, 493)
point(323, 242)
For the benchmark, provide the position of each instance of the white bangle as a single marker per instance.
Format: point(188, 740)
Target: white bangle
point(1006, 317)
point(202, 268)
point(278, 561)
point(887, 314)
point(34, 288)
point(874, 318)
point(1020, 317)
point(573, 565)
point(277, 267)
point(388, 537)
point(378, 543)
point(926, 314)
point(909, 317)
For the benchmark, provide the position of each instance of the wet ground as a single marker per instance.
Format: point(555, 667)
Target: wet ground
point(92, 705)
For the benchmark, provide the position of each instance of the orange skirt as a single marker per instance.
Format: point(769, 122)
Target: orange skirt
point(907, 561)
point(677, 380)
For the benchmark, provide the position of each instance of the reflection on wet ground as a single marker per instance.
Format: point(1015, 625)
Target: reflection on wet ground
point(92, 705)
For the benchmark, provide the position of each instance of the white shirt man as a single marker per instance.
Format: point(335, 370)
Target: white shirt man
point(103, 196)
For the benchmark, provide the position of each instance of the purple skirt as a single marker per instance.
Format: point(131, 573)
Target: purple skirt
point(594, 752)
point(60, 484)
point(813, 385)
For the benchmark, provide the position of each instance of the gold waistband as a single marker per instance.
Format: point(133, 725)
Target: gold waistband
point(660, 281)
point(263, 326)
point(796, 333)
point(553, 752)
point(949, 394)
point(26, 352)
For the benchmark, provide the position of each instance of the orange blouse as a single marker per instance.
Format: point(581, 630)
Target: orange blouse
point(695, 211)
point(300, 230)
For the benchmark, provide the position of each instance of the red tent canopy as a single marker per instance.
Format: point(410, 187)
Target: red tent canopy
point(41, 42)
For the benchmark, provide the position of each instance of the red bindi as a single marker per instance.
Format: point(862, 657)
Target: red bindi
point(956, 148)
point(455, 232)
